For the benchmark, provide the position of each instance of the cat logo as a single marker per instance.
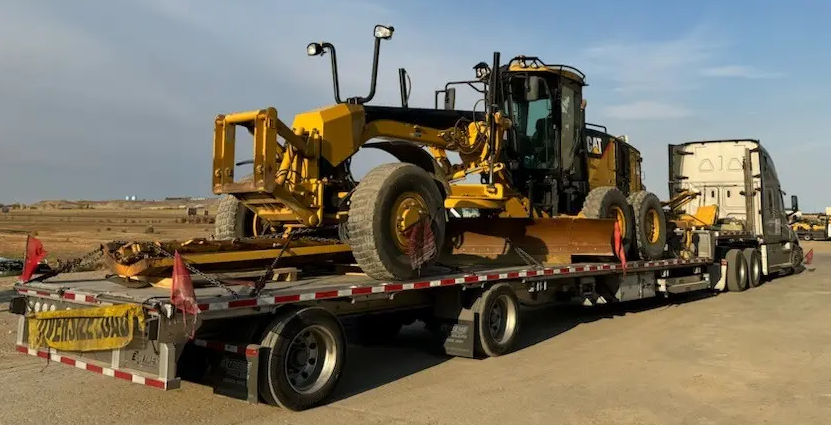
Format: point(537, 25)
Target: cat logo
point(594, 145)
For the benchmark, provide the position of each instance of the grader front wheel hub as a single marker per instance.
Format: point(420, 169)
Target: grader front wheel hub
point(387, 202)
point(407, 210)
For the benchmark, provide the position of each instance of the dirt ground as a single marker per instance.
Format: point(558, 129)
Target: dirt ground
point(758, 357)
point(73, 233)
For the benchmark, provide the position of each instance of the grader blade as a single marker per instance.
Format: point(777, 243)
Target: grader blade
point(547, 241)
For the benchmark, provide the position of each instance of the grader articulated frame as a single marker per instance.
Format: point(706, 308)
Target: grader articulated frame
point(539, 198)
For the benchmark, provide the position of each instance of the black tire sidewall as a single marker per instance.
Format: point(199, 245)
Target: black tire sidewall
point(486, 345)
point(410, 178)
point(276, 388)
point(650, 250)
point(753, 258)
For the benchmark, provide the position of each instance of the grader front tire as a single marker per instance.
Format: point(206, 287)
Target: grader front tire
point(379, 249)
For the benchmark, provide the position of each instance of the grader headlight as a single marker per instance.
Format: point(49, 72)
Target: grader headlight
point(383, 32)
point(314, 49)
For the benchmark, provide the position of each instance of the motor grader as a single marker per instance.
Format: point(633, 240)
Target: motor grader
point(550, 189)
point(548, 185)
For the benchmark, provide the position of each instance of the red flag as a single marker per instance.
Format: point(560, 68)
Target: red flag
point(34, 253)
point(809, 257)
point(619, 246)
point(182, 294)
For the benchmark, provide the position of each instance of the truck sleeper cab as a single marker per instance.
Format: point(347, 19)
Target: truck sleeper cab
point(723, 173)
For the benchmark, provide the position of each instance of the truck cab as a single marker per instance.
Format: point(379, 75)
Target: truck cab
point(739, 177)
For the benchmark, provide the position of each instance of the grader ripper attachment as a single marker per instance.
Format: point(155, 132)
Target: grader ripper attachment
point(539, 198)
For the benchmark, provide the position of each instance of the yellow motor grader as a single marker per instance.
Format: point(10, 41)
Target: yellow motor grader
point(550, 188)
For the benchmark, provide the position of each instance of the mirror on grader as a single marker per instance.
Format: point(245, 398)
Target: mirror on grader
point(543, 196)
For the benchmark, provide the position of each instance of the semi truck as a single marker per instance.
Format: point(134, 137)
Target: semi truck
point(286, 345)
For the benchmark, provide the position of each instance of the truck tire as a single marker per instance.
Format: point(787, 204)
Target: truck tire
point(754, 266)
point(306, 352)
point(497, 311)
point(609, 202)
point(379, 248)
point(650, 225)
point(736, 270)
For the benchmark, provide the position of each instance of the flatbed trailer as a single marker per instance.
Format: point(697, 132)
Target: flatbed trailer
point(287, 345)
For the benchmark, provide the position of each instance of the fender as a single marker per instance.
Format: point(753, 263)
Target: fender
point(413, 154)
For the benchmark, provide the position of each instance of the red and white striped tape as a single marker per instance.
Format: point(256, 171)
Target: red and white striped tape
point(464, 280)
point(631, 267)
point(75, 297)
point(106, 371)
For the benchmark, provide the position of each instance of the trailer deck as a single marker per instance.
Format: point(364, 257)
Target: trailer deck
point(106, 291)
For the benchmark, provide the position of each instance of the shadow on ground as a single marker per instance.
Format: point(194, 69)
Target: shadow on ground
point(5, 296)
point(371, 367)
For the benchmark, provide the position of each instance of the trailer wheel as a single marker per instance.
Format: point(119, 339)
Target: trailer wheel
point(736, 270)
point(754, 266)
point(388, 196)
point(609, 202)
point(306, 353)
point(498, 320)
point(650, 225)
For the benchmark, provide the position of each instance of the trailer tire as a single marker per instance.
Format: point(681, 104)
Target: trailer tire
point(378, 196)
point(498, 322)
point(310, 340)
point(609, 202)
point(754, 267)
point(736, 270)
point(650, 225)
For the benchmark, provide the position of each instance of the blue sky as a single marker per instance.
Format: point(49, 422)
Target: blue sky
point(104, 98)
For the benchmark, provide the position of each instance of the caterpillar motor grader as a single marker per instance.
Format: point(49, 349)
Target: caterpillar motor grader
point(550, 189)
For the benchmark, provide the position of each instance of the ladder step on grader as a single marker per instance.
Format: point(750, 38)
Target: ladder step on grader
point(552, 189)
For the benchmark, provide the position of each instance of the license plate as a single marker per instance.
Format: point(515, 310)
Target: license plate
point(86, 329)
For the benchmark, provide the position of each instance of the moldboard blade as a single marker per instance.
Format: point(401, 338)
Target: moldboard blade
point(547, 240)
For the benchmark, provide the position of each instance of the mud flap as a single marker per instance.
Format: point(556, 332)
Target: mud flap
point(457, 336)
point(234, 371)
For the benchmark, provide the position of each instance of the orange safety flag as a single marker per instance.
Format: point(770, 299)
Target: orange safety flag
point(619, 251)
point(809, 257)
point(182, 294)
point(34, 253)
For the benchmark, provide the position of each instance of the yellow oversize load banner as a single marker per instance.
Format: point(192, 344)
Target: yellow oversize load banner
point(86, 329)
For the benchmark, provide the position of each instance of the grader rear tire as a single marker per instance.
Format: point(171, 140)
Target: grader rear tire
point(234, 220)
point(650, 225)
point(609, 202)
point(379, 250)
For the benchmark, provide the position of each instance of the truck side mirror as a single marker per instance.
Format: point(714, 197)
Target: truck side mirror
point(794, 203)
point(450, 99)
